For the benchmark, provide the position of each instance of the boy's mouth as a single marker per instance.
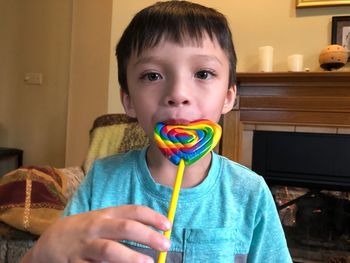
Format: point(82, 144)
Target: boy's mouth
point(177, 122)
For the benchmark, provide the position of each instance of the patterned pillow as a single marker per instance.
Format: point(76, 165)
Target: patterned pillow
point(74, 175)
point(32, 198)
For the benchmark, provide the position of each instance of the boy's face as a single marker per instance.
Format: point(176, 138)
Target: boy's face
point(178, 84)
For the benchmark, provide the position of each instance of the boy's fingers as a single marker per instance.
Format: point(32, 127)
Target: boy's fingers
point(126, 229)
point(113, 252)
point(141, 214)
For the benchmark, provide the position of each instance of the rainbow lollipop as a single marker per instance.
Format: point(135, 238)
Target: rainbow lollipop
point(184, 145)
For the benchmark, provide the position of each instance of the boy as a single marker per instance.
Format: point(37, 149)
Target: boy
point(176, 64)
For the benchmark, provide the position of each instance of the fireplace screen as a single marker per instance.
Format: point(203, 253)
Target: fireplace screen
point(309, 176)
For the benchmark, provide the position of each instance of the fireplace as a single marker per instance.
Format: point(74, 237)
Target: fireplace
point(310, 110)
point(310, 160)
point(309, 175)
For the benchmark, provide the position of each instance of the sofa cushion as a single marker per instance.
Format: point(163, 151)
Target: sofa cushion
point(32, 198)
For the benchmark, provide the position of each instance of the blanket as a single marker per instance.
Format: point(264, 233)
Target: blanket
point(113, 133)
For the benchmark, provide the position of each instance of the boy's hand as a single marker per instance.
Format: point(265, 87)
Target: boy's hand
point(91, 236)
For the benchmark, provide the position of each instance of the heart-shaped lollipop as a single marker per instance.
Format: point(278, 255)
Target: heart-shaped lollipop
point(183, 145)
point(188, 142)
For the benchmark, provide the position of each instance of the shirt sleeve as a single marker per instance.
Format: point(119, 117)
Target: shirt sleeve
point(81, 199)
point(268, 242)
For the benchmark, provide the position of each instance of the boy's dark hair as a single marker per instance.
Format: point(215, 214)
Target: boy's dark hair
point(176, 21)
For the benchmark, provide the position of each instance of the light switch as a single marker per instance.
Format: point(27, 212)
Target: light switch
point(33, 78)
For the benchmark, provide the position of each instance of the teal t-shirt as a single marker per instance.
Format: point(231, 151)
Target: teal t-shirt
point(229, 217)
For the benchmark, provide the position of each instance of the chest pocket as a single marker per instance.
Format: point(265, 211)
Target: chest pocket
point(215, 245)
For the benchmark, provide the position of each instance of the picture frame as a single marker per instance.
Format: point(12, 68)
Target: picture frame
point(341, 32)
point(320, 3)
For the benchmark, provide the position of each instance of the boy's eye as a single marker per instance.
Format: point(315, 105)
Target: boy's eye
point(151, 76)
point(204, 74)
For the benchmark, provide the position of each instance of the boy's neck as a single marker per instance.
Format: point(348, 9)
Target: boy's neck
point(164, 172)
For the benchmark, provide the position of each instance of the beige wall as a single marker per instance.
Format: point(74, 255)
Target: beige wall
point(89, 73)
point(35, 37)
point(72, 43)
point(256, 23)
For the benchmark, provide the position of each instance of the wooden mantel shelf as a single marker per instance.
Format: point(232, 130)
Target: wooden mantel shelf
point(294, 76)
point(305, 98)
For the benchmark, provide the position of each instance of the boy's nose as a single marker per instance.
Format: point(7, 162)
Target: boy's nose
point(177, 95)
point(177, 101)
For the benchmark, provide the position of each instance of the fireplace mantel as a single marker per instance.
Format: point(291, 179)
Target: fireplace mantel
point(303, 99)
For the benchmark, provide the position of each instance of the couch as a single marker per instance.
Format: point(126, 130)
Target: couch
point(32, 197)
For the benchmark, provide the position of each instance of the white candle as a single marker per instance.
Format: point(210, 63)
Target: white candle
point(265, 58)
point(295, 63)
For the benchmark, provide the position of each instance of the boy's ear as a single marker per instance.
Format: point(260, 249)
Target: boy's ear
point(230, 99)
point(127, 104)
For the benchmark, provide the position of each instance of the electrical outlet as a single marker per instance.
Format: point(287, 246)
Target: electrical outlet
point(33, 78)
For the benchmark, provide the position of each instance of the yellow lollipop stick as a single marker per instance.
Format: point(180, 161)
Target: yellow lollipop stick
point(173, 204)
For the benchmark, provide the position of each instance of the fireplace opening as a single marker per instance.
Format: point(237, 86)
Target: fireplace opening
point(303, 159)
point(309, 176)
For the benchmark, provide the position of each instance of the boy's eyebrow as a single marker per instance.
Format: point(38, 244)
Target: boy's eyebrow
point(209, 57)
point(144, 60)
point(147, 59)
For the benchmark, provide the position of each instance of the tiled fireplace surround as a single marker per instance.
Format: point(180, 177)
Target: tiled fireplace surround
point(292, 102)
